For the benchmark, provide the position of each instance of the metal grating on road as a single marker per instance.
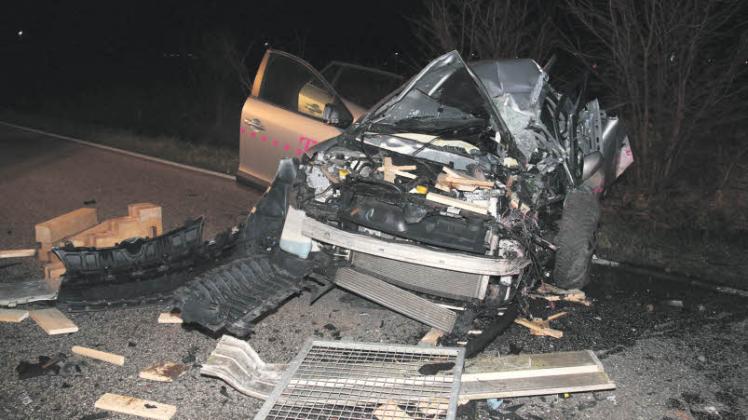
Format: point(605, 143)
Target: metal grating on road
point(346, 380)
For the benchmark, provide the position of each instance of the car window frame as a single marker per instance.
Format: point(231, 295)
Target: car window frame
point(260, 77)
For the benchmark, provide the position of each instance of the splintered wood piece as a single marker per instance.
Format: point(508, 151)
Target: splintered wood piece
point(135, 406)
point(391, 411)
point(539, 328)
point(13, 315)
point(148, 213)
point(53, 322)
point(65, 225)
point(17, 253)
point(454, 202)
point(458, 179)
point(112, 358)
point(554, 294)
point(557, 315)
point(169, 318)
point(391, 171)
point(163, 372)
point(53, 271)
point(431, 338)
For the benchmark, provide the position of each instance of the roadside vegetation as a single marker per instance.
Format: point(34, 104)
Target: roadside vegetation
point(219, 158)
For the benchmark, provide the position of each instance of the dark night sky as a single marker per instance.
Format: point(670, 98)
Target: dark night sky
point(332, 29)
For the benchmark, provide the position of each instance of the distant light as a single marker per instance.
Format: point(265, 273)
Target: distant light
point(20, 33)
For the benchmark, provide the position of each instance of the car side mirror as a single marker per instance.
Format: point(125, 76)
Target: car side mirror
point(336, 114)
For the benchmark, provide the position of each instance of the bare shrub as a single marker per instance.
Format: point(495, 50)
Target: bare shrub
point(484, 29)
point(674, 66)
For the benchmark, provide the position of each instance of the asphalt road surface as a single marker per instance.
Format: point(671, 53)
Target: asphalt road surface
point(667, 361)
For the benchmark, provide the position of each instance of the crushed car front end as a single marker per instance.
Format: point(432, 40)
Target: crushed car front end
point(444, 203)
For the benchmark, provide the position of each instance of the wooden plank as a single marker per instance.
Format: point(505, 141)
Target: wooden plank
point(484, 368)
point(135, 406)
point(53, 322)
point(13, 315)
point(454, 202)
point(488, 363)
point(169, 318)
point(431, 338)
point(17, 253)
point(112, 358)
point(163, 372)
point(149, 214)
point(44, 254)
point(390, 411)
point(541, 385)
point(65, 225)
point(538, 328)
point(53, 271)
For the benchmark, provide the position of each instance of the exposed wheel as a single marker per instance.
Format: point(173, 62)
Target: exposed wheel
point(575, 241)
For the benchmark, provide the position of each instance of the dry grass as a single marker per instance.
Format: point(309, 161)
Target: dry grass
point(217, 158)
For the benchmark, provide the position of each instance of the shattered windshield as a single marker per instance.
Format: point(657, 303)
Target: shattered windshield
point(444, 100)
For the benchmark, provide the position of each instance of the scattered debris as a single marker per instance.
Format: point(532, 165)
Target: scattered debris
point(17, 293)
point(163, 372)
point(13, 315)
point(236, 362)
point(369, 379)
point(135, 406)
point(673, 303)
point(494, 404)
point(487, 377)
point(17, 253)
point(114, 359)
point(391, 411)
point(45, 366)
point(542, 327)
point(431, 338)
point(53, 322)
point(170, 318)
point(191, 355)
point(25, 398)
point(553, 294)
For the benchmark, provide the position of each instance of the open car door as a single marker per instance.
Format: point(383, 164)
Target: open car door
point(290, 109)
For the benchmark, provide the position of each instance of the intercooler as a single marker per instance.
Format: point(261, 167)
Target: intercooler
point(421, 278)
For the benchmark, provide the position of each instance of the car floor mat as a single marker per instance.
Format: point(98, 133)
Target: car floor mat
point(233, 295)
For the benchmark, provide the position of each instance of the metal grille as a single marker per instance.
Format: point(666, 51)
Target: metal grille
point(341, 380)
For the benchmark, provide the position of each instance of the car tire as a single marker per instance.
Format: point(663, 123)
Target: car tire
point(575, 242)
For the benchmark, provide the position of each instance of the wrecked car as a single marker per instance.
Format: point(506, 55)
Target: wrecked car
point(447, 202)
point(284, 114)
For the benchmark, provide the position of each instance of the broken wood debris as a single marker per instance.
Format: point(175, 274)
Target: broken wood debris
point(391, 171)
point(53, 322)
point(82, 229)
point(163, 372)
point(135, 406)
point(457, 203)
point(554, 294)
point(431, 338)
point(67, 224)
point(112, 358)
point(542, 327)
point(13, 315)
point(17, 253)
point(533, 374)
point(452, 179)
point(170, 318)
